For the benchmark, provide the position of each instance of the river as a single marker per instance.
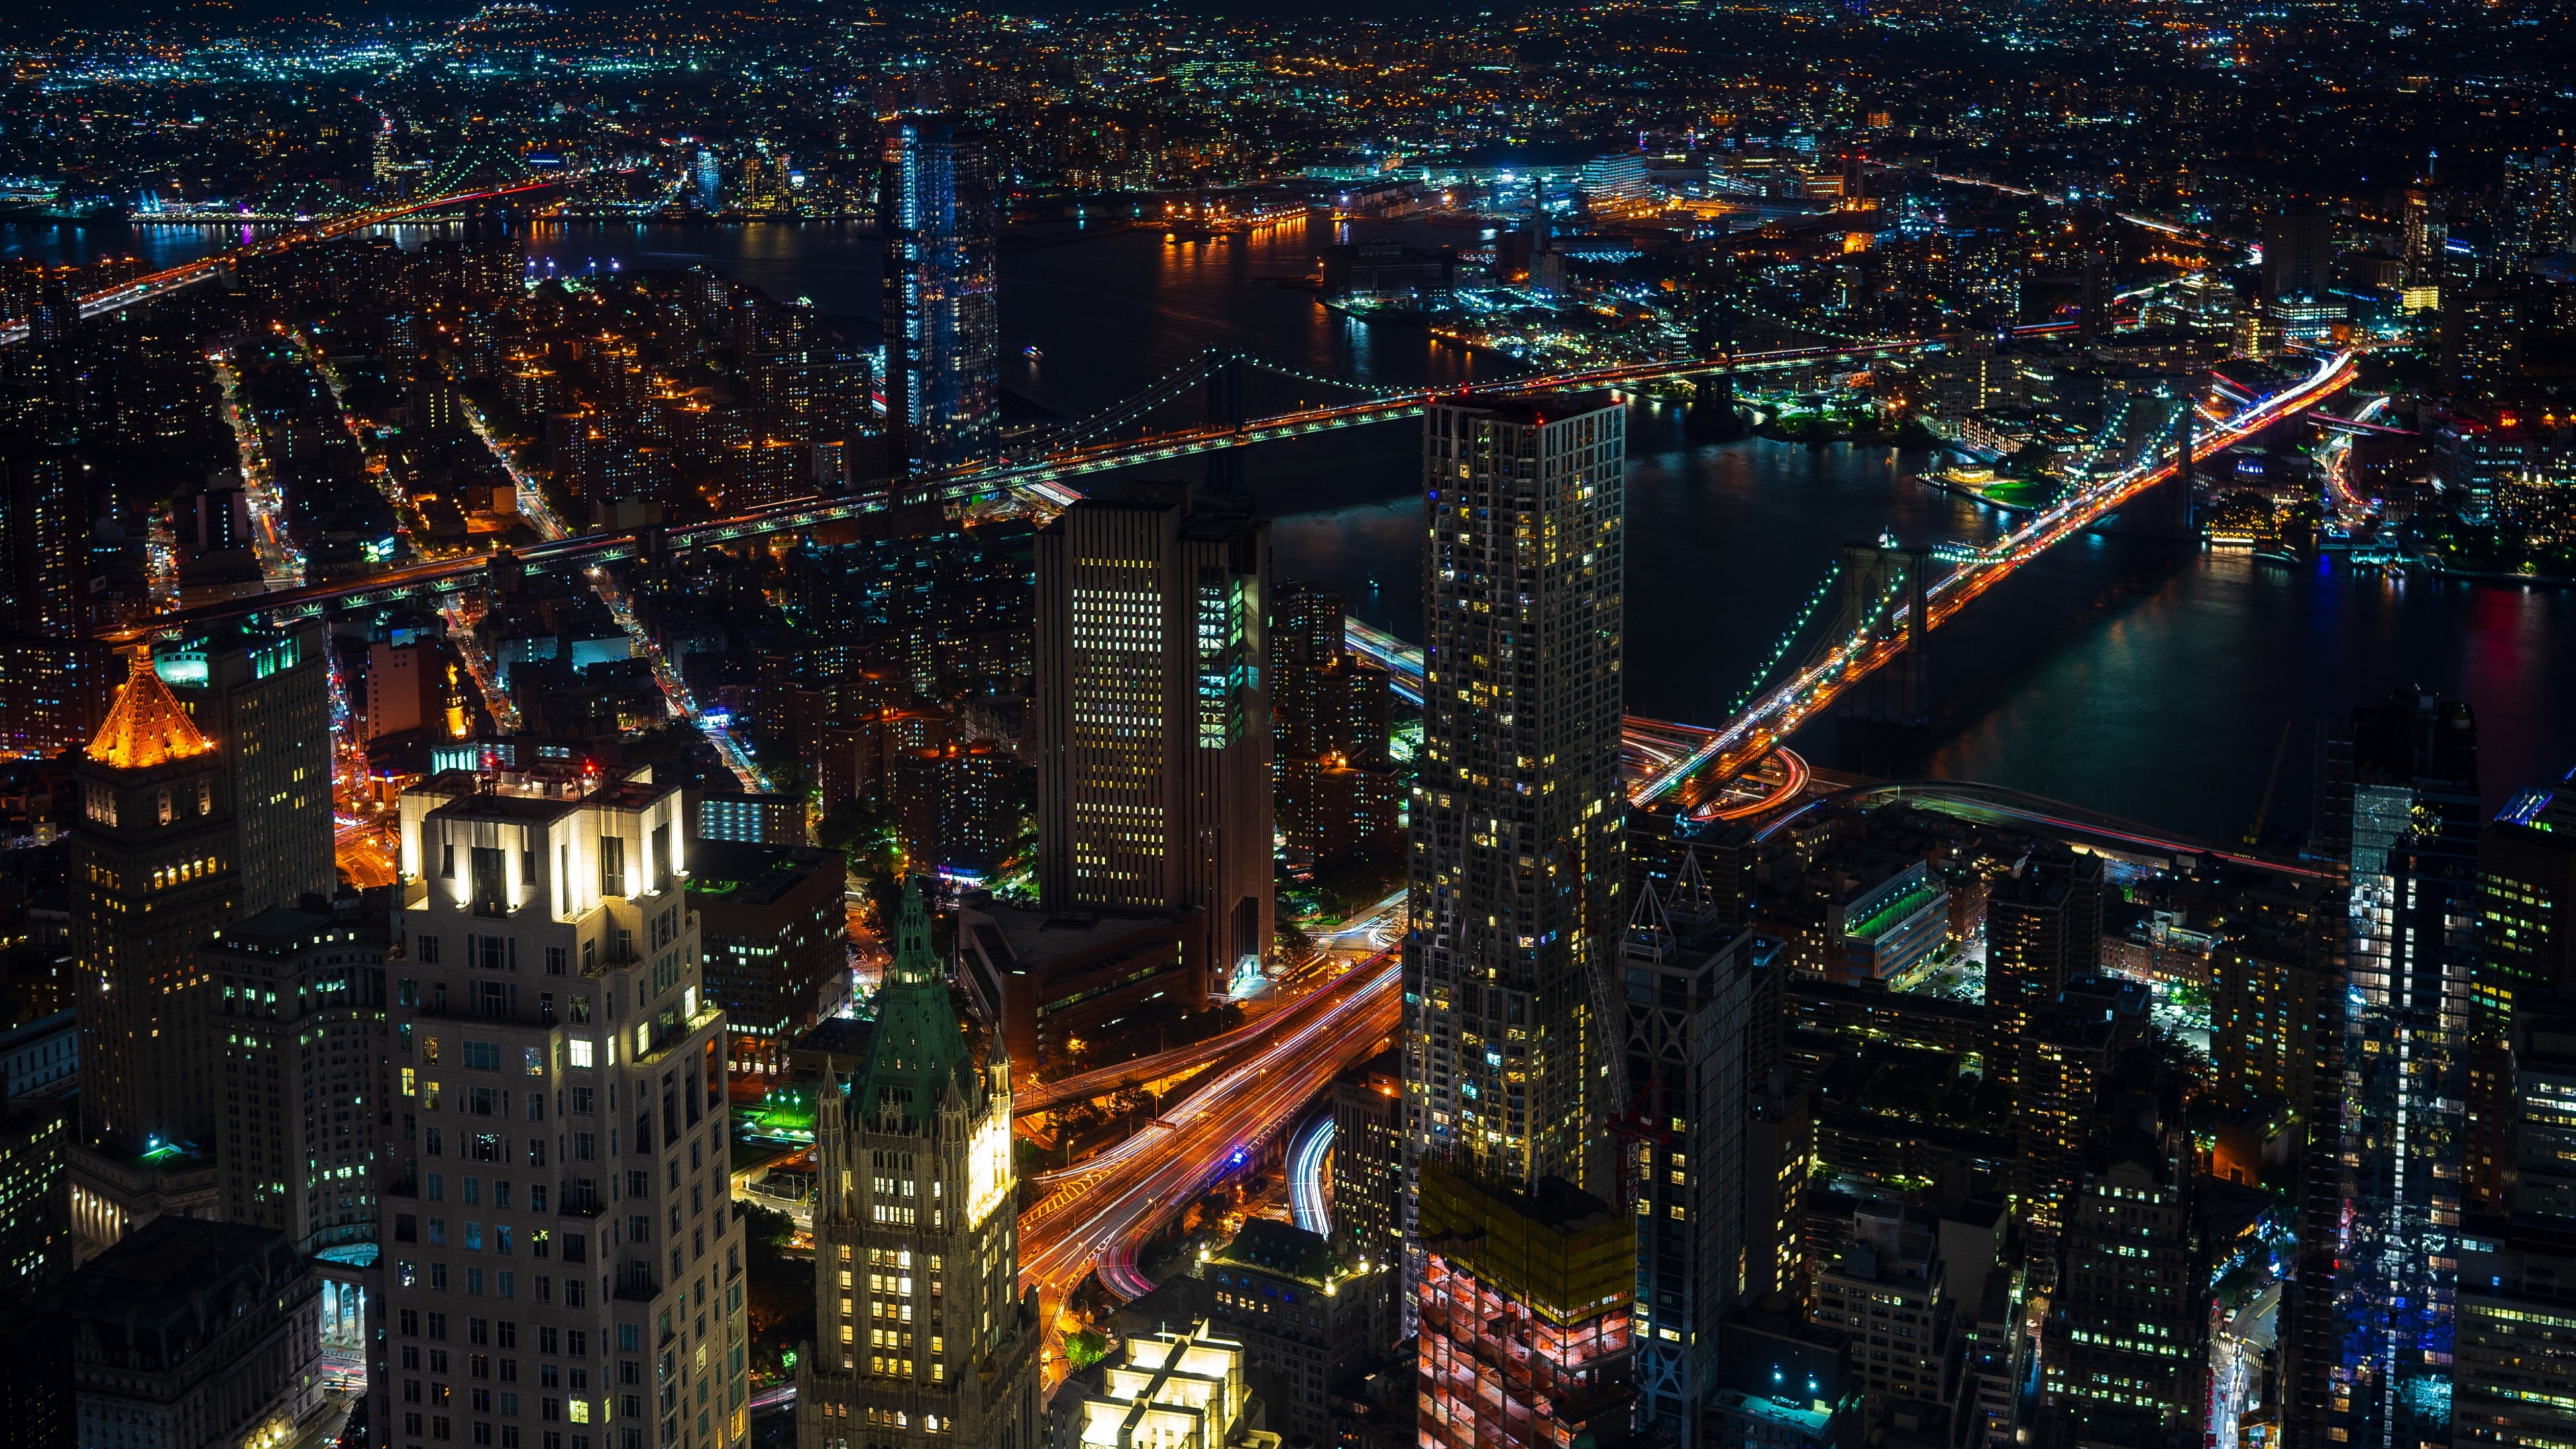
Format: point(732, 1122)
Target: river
point(2116, 673)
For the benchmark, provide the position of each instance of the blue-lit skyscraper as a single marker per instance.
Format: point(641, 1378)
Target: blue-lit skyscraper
point(710, 179)
point(2400, 809)
point(935, 209)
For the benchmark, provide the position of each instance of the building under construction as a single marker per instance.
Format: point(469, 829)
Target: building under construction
point(1524, 1306)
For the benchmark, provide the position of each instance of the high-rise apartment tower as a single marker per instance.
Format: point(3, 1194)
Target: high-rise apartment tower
point(264, 697)
point(1517, 820)
point(2400, 812)
point(561, 1256)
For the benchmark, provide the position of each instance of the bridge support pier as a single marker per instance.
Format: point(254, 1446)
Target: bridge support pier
point(1886, 599)
point(1713, 416)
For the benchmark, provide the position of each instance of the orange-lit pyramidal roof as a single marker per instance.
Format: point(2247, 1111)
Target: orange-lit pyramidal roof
point(147, 726)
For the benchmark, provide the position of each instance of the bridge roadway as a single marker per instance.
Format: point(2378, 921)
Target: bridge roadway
point(1745, 740)
point(187, 274)
point(1040, 479)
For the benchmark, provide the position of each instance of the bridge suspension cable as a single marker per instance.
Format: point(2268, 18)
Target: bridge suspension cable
point(1854, 655)
point(1299, 374)
point(1172, 386)
point(1168, 388)
point(1788, 639)
point(1818, 328)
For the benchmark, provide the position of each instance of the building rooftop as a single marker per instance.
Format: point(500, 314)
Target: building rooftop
point(154, 1274)
point(1277, 1247)
point(739, 873)
point(839, 1036)
point(148, 725)
point(516, 795)
point(1537, 409)
point(1806, 1419)
point(1557, 1247)
point(1031, 938)
point(278, 931)
point(44, 1026)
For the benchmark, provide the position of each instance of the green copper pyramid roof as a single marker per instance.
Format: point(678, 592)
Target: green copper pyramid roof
point(919, 1047)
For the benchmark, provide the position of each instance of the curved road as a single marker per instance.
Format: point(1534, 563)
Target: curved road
point(1309, 1201)
point(1101, 1081)
point(1105, 1215)
point(1369, 980)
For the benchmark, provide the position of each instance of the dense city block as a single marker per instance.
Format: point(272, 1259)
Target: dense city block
point(1253, 728)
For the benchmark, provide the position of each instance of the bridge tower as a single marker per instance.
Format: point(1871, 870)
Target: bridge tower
point(1225, 405)
point(1886, 596)
point(2170, 509)
point(1712, 414)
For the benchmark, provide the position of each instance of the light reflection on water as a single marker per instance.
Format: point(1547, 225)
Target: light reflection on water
point(2114, 673)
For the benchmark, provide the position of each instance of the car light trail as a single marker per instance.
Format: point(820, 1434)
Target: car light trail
point(1306, 1158)
point(1756, 732)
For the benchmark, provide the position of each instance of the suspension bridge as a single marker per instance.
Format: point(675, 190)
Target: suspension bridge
point(306, 229)
point(1891, 598)
point(1898, 618)
point(1092, 446)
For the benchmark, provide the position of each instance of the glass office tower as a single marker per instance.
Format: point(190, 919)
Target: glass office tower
point(936, 213)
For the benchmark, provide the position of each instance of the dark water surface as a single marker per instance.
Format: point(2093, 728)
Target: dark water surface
point(2116, 673)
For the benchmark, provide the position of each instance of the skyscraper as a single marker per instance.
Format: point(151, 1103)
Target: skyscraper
point(2298, 252)
point(305, 1073)
point(920, 1320)
point(2427, 232)
point(1519, 848)
point(1691, 987)
point(2540, 197)
point(2043, 929)
point(1368, 1173)
point(302, 1013)
point(1339, 791)
point(2514, 1328)
point(555, 1189)
point(2400, 812)
point(2298, 270)
point(935, 210)
point(44, 543)
point(1152, 721)
point(2526, 956)
point(154, 866)
point(53, 682)
point(1524, 1303)
point(264, 697)
point(2130, 1314)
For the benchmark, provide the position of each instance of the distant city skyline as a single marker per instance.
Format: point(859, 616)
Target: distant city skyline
point(761, 715)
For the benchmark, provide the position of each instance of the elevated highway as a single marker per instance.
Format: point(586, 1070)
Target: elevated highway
point(1100, 1082)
